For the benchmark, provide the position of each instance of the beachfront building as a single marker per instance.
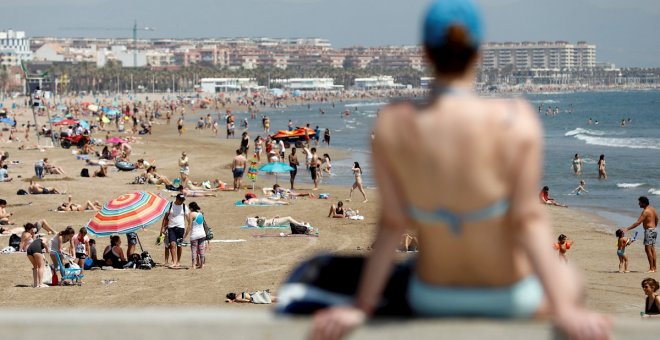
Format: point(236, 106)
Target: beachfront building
point(14, 48)
point(307, 84)
point(542, 55)
point(380, 82)
point(216, 85)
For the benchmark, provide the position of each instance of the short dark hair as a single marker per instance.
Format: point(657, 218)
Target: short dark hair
point(619, 233)
point(644, 200)
point(651, 282)
point(545, 188)
point(238, 151)
point(3, 202)
point(455, 55)
point(561, 237)
point(231, 296)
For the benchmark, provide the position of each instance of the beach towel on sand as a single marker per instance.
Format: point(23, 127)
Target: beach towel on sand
point(284, 235)
point(284, 226)
point(241, 204)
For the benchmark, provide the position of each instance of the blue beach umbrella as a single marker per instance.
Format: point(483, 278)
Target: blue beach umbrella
point(275, 167)
point(7, 121)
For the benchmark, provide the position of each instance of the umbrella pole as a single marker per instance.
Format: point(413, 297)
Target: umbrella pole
point(139, 243)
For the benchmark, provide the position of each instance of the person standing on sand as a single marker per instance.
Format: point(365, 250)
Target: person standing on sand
point(174, 224)
point(649, 220)
point(179, 125)
point(238, 166)
point(313, 168)
point(602, 174)
point(293, 162)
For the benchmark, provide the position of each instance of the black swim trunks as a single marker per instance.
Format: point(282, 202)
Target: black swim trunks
point(313, 172)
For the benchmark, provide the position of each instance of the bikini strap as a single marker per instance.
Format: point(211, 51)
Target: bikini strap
point(455, 221)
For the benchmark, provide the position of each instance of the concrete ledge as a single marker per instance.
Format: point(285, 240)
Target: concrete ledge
point(229, 323)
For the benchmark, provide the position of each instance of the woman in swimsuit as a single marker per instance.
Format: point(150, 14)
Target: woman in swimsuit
point(577, 165)
point(601, 168)
point(420, 157)
point(357, 171)
point(113, 255)
point(337, 211)
point(258, 146)
point(35, 255)
point(652, 301)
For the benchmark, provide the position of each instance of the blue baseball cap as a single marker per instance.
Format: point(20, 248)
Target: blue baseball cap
point(445, 13)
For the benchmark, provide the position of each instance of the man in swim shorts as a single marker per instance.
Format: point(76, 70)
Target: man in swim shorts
point(649, 220)
point(238, 166)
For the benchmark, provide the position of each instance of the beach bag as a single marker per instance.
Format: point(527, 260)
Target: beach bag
point(84, 172)
point(261, 297)
point(250, 195)
point(14, 241)
point(47, 277)
point(208, 231)
point(146, 262)
point(21, 192)
point(299, 229)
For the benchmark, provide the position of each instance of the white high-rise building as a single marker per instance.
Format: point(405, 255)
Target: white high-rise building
point(558, 55)
point(14, 48)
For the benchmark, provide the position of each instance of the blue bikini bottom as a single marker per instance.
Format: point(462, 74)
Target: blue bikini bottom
point(520, 300)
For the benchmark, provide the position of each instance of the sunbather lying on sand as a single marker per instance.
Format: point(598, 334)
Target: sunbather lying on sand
point(277, 190)
point(195, 193)
point(36, 188)
point(258, 297)
point(70, 206)
point(276, 221)
point(262, 201)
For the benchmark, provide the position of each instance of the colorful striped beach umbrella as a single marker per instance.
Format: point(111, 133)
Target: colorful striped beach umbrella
point(252, 171)
point(128, 213)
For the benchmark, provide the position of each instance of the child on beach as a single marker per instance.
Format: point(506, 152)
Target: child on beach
point(621, 244)
point(563, 245)
point(580, 189)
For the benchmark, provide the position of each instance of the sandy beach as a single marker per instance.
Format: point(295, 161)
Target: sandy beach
point(256, 263)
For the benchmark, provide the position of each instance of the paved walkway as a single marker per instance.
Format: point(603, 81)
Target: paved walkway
point(230, 323)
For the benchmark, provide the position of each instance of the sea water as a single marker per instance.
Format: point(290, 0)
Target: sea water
point(632, 153)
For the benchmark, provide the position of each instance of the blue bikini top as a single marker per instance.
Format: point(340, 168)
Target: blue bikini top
point(454, 220)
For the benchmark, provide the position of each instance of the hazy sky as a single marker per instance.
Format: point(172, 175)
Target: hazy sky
point(626, 31)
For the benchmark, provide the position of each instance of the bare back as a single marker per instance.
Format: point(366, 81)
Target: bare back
point(650, 217)
point(461, 154)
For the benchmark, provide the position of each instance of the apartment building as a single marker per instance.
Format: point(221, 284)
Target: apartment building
point(14, 48)
point(558, 55)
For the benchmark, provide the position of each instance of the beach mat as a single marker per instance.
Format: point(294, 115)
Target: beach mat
point(284, 235)
point(284, 226)
point(227, 241)
point(240, 204)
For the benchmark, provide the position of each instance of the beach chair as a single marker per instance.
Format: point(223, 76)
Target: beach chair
point(73, 274)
